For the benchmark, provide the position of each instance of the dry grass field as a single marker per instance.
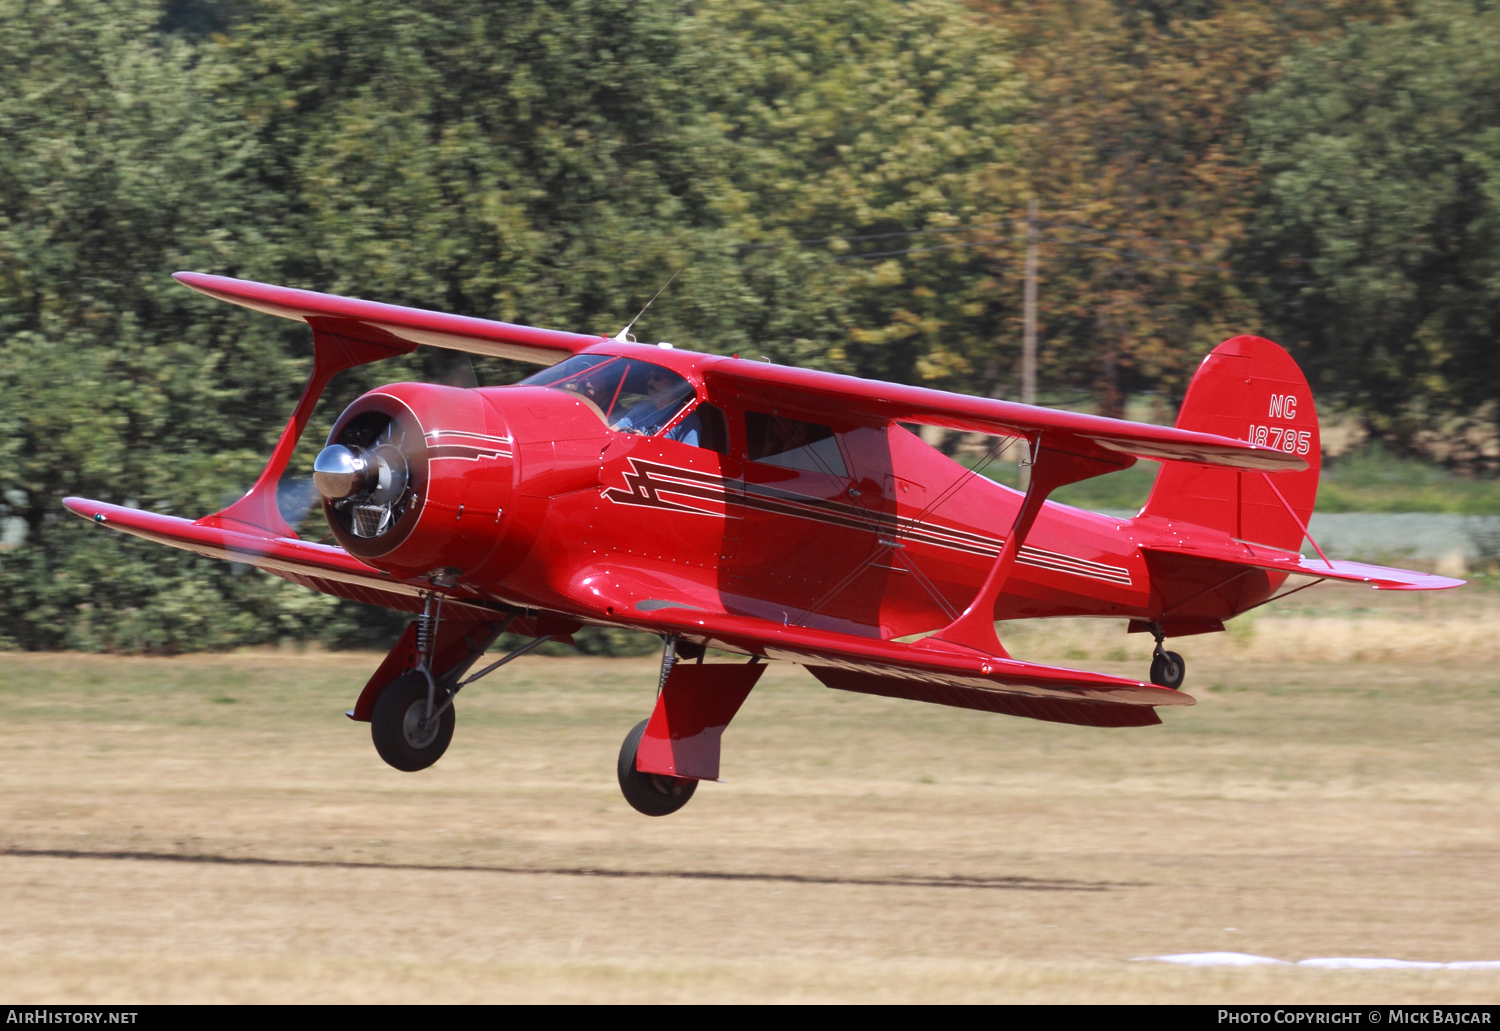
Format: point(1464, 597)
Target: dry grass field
point(213, 829)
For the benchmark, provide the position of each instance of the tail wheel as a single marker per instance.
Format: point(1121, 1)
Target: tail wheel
point(1168, 670)
point(650, 793)
point(401, 730)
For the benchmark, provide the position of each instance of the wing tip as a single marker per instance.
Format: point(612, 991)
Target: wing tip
point(194, 280)
point(1382, 578)
point(1429, 582)
point(81, 507)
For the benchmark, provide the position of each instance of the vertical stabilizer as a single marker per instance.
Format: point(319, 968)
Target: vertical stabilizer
point(1250, 389)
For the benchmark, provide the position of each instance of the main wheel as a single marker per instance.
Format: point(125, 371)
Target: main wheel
point(650, 793)
point(1168, 670)
point(402, 734)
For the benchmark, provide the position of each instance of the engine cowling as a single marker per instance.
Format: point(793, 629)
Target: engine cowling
point(417, 479)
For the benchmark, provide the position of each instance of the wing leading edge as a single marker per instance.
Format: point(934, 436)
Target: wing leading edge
point(755, 382)
point(947, 676)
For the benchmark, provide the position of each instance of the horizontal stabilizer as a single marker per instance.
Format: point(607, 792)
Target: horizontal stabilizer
point(1259, 556)
point(413, 325)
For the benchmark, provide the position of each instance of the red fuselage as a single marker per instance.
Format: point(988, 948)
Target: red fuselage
point(526, 495)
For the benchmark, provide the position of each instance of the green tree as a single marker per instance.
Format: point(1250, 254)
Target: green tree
point(114, 171)
point(847, 119)
point(1135, 148)
point(550, 163)
point(1378, 232)
point(555, 163)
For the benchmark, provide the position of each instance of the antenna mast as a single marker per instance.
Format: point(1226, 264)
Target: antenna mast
point(621, 334)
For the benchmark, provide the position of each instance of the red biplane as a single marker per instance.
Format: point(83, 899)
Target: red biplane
point(766, 511)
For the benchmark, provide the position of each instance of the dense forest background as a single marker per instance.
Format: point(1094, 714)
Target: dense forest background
point(842, 182)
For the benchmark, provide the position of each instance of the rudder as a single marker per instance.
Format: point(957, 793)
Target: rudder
point(1250, 389)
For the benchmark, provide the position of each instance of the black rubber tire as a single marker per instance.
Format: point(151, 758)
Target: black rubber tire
point(1168, 670)
point(398, 739)
point(650, 793)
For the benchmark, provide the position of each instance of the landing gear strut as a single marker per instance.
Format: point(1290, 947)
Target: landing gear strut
point(411, 722)
point(664, 757)
point(1167, 668)
point(653, 794)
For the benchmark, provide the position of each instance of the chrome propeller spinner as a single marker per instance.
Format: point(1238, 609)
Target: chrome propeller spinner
point(369, 483)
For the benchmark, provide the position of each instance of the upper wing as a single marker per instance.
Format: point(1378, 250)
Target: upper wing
point(759, 384)
point(415, 325)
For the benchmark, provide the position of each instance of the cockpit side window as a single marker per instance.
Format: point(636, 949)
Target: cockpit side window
point(649, 397)
point(713, 428)
point(705, 427)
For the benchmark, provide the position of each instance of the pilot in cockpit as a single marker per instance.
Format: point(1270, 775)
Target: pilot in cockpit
point(665, 394)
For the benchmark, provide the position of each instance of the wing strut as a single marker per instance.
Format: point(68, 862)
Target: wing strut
point(337, 345)
point(1300, 524)
point(1057, 461)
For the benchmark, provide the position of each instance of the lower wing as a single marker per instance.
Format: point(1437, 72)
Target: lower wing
point(326, 569)
point(924, 671)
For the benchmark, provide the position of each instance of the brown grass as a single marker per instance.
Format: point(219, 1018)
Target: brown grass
point(1342, 624)
point(163, 842)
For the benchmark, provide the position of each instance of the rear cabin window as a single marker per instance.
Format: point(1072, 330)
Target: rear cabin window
point(793, 444)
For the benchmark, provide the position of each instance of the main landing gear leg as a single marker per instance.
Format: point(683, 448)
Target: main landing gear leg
point(652, 794)
point(411, 715)
point(1167, 668)
point(663, 758)
point(408, 728)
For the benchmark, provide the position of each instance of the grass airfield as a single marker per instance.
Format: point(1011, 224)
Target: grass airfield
point(211, 828)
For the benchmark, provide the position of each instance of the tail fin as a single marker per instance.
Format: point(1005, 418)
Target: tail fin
point(1250, 389)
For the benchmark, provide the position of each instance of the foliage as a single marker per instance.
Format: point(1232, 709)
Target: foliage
point(1378, 233)
point(549, 163)
point(1369, 480)
point(556, 162)
point(1375, 480)
point(1136, 152)
point(113, 172)
point(844, 119)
